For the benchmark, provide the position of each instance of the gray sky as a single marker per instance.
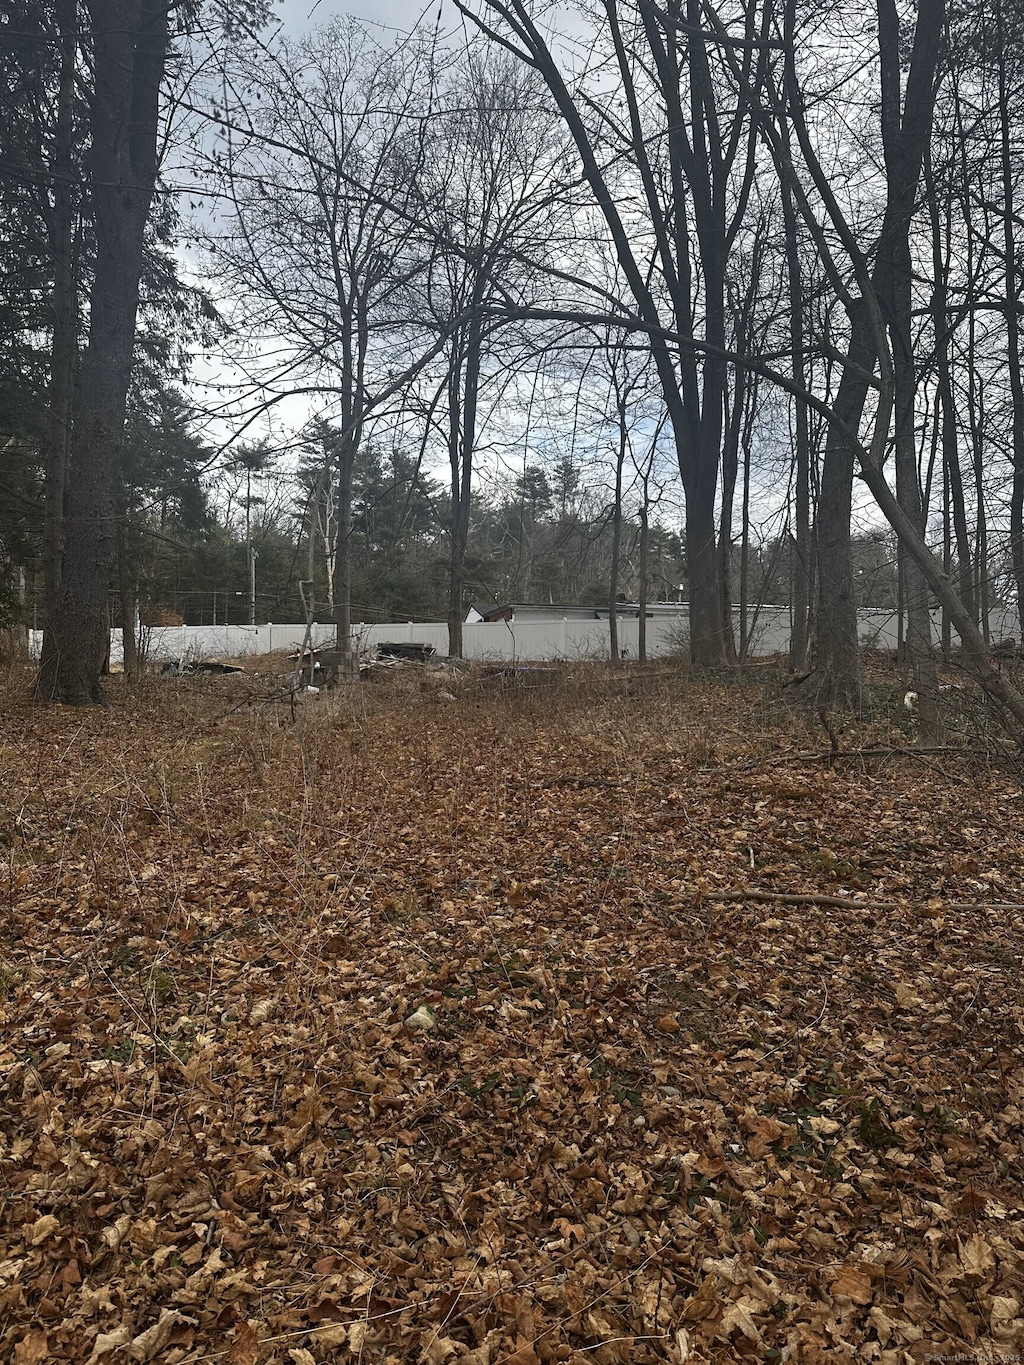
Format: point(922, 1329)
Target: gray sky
point(300, 15)
point(572, 32)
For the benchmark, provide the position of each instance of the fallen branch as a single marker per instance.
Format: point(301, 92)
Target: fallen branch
point(873, 751)
point(281, 694)
point(568, 780)
point(849, 903)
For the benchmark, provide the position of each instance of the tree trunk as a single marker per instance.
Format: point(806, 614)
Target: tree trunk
point(701, 143)
point(463, 391)
point(707, 634)
point(945, 625)
point(906, 136)
point(730, 470)
point(459, 512)
point(745, 556)
point(129, 45)
point(348, 667)
point(64, 341)
point(838, 652)
point(906, 122)
point(641, 649)
point(977, 424)
point(954, 505)
point(908, 492)
point(129, 645)
point(455, 646)
point(1013, 342)
point(21, 628)
point(800, 560)
point(613, 588)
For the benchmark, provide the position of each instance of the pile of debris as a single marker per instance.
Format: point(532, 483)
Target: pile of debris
point(317, 668)
point(407, 652)
point(190, 668)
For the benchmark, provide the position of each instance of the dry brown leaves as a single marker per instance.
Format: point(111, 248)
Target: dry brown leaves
point(632, 1124)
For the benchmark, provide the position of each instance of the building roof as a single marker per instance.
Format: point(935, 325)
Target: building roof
point(489, 611)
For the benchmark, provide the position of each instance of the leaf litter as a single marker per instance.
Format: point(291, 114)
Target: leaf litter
point(410, 1033)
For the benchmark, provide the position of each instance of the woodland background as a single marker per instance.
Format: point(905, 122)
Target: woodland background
point(495, 311)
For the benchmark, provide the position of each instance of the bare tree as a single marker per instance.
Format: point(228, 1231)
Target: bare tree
point(676, 131)
point(801, 575)
point(1008, 95)
point(487, 197)
point(321, 243)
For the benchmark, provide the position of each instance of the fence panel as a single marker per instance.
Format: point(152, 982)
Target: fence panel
point(523, 639)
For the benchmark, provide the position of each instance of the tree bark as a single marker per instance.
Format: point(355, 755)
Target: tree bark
point(342, 584)
point(64, 340)
point(906, 135)
point(838, 646)
point(613, 582)
point(745, 546)
point(800, 560)
point(953, 481)
point(641, 648)
point(1013, 340)
point(463, 391)
point(908, 492)
point(730, 471)
point(707, 632)
point(130, 40)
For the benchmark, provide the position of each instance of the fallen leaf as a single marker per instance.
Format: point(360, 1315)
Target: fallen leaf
point(737, 1318)
point(852, 1284)
point(438, 1350)
point(262, 1010)
point(1005, 1319)
point(42, 1228)
point(711, 1166)
point(245, 1345)
point(976, 1255)
point(334, 1334)
point(32, 1348)
point(704, 1302)
point(153, 1340)
point(524, 1354)
point(556, 1169)
point(479, 1355)
point(113, 1234)
point(109, 1341)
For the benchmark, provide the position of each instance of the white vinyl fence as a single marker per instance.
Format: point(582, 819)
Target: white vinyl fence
point(524, 640)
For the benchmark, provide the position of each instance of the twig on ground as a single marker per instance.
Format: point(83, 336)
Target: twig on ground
point(569, 780)
point(872, 751)
point(850, 903)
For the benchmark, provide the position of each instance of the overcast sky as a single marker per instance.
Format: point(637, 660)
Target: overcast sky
point(300, 15)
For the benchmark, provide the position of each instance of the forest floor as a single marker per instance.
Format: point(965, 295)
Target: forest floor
point(641, 1111)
